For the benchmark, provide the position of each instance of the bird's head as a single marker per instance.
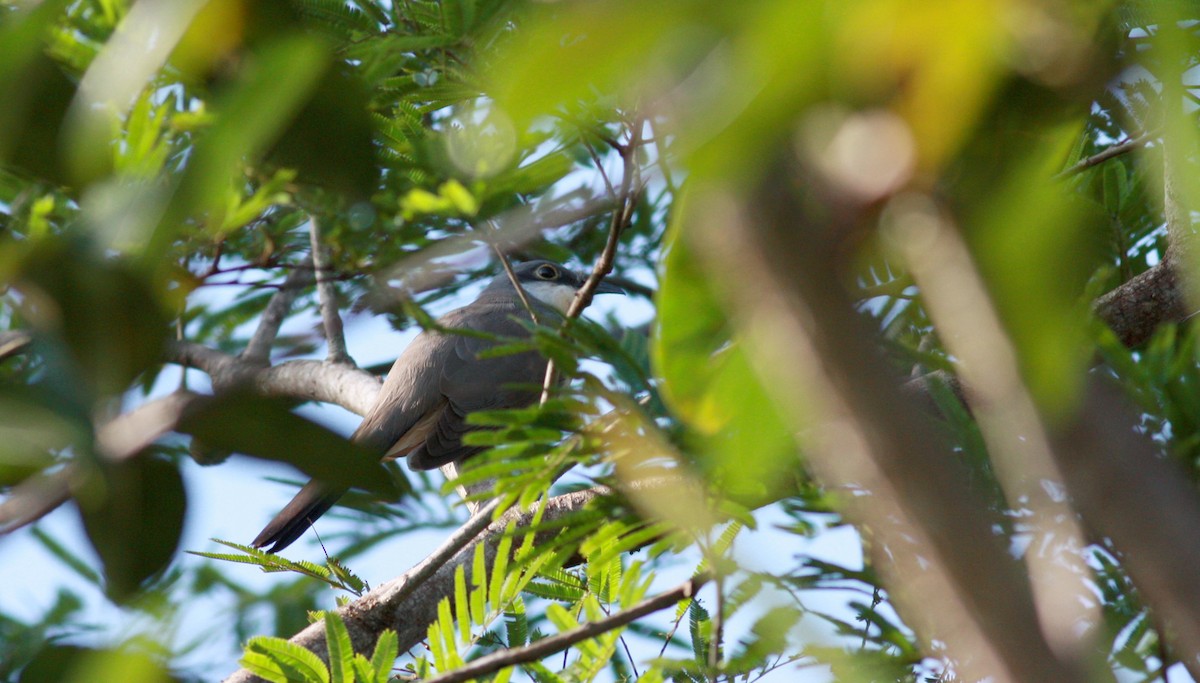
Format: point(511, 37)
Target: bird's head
point(548, 282)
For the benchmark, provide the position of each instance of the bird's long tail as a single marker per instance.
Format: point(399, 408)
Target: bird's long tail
point(311, 502)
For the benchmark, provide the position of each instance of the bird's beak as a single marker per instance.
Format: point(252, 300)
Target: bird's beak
point(607, 288)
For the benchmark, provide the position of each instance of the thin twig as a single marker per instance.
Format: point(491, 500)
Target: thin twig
point(327, 294)
point(258, 350)
point(671, 633)
point(454, 543)
point(718, 627)
point(512, 277)
point(1109, 153)
point(604, 265)
point(599, 166)
point(548, 646)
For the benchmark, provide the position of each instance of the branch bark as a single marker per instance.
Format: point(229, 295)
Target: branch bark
point(1109, 153)
point(327, 294)
point(258, 349)
point(1140, 306)
point(408, 603)
point(344, 385)
point(13, 342)
point(948, 572)
point(548, 646)
point(1126, 492)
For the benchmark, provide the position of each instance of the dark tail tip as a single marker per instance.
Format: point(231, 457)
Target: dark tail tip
point(311, 502)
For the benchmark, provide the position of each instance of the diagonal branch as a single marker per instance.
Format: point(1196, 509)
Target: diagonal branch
point(622, 214)
point(548, 646)
point(946, 567)
point(122, 438)
point(258, 350)
point(408, 603)
point(13, 342)
point(1108, 153)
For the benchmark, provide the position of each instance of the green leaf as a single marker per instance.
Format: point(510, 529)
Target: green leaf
point(478, 610)
point(560, 617)
point(35, 94)
point(450, 656)
point(251, 113)
point(266, 428)
point(341, 651)
point(516, 624)
point(101, 308)
point(709, 382)
point(700, 628)
point(364, 672)
point(331, 139)
point(275, 659)
point(387, 648)
point(55, 663)
point(133, 514)
point(462, 614)
point(496, 593)
point(67, 557)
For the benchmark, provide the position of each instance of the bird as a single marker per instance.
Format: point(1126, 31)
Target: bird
point(421, 410)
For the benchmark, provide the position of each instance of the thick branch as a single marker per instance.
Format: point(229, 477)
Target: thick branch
point(13, 342)
point(121, 438)
point(1138, 307)
point(1127, 492)
point(408, 604)
point(919, 506)
point(347, 386)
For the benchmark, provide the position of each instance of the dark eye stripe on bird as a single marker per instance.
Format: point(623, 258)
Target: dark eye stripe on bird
point(439, 379)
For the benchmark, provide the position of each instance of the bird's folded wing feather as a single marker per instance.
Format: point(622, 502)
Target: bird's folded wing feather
point(470, 383)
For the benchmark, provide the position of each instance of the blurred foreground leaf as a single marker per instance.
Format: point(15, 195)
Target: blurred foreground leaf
point(133, 514)
point(266, 428)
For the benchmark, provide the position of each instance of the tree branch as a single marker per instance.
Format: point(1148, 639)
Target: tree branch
point(121, 438)
point(548, 646)
point(1109, 153)
point(1127, 492)
point(1138, 307)
point(35, 498)
point(949, 573)
point(622, 213)
point(258, 350)
point(327, 294)
point(408, 603)
point(13, 342)
point(344, 385)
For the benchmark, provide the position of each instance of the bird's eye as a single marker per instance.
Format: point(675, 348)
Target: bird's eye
point(547, 272)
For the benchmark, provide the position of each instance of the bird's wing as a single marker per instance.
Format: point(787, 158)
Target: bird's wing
point(469, 383)
point(408, 397)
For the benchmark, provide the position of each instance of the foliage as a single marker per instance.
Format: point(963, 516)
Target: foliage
point(171, 173)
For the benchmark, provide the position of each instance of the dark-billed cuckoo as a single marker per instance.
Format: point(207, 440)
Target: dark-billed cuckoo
point(422, 407)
